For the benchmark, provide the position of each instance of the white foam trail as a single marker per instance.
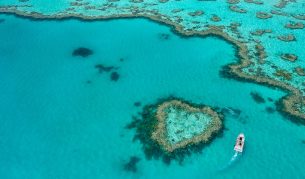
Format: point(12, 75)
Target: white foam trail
point(233, 159)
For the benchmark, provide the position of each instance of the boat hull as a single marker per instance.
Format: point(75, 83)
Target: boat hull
point(240, 142)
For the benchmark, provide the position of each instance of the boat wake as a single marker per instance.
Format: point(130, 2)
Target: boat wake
point(234, 158)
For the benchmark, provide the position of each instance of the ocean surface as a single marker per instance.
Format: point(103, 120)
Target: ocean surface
point(60, 118)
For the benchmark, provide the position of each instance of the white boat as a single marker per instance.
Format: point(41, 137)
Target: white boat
point(240, 142)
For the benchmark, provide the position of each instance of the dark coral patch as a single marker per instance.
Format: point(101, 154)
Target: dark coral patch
point(260, 32)
point(289, 57)
point(137, 104)
point(114, 76)
point(101, 68)
point(284, 74)
point(294, 25)
point(233, 1)
point(131, 165)
point(260, 53)
point(163, 1)
point(215, 18)
point(82, 52)
point(254, 2)
point(2, 20)
point(270, 110)
point(237, 9)
point(196, 13)
point(287, 38)
point(263, 15)
point(300, 71)
point(299, 16)
point(283, 111)
point(257, 97)
point(164, 36)
point(270, 99)
point(303, 141)
point(135, 121)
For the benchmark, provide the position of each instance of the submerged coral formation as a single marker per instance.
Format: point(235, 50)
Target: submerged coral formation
point(164, 36)
point(180, 124)
point(131, 165)
point(289, 57)
point(300, 71)
point(82, 51)
point(114, 76)
point(270, 110)
point(257, 97)
point(102, 68)
point(258, 53)
point(137, 104)
point(173, 128)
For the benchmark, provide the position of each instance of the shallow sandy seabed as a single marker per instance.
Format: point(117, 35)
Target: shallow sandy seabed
point(262, 31)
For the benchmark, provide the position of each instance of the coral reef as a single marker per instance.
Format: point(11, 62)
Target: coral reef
point(173, 128)
point(260, 53)
point(137, 104)
point(286, 38)
point(196, 13)
point(248, 68)
point(260, 32)
point(254, 2)
point(215, 18)
point(101, 68)
point(295, 25)
point(233, 1)
point(235, 8)
point(257, 97)
point(177, 136)
point(270, 110)
point(82, 51)
point(283, 74)
point(300, 71)
point(299, 16)
point(114, 76)
point(164, 36)
point(289, 57)
point(263, 15)
point(282, 4)
point(131, 165)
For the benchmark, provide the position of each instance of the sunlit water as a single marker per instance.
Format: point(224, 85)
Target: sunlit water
point(56, 125)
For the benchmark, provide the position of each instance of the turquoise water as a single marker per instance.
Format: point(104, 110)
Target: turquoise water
point(56, 125)
point(239, 26)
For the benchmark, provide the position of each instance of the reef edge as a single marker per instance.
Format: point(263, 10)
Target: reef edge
point(288, 103)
